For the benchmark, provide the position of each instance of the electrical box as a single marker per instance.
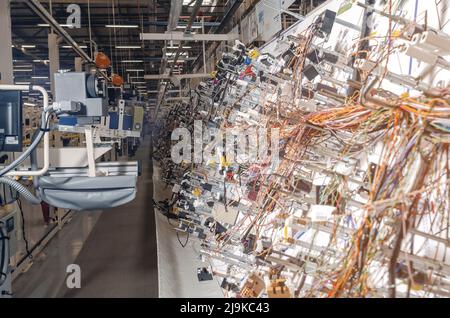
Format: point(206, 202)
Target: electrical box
point(310, 72)
point(81, 94)
point(328, 19)
point(138, 118)
point(11, 121)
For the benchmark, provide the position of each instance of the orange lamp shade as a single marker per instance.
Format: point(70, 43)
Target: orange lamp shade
point(117, 80)
point(102, 60)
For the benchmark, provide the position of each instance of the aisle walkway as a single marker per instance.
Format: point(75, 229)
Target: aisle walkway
point(118, 255)
point(119, 258)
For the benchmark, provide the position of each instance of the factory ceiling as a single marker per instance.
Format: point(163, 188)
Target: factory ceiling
point(113, 27)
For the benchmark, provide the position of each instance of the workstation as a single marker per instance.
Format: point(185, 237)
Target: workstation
point(224, 149)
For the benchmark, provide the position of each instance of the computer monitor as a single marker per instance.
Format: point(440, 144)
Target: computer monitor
point(11, 130)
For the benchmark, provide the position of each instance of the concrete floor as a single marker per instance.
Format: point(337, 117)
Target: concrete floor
point(177, 266)
point(119, 258)
point(116, 250)
point(47, 274)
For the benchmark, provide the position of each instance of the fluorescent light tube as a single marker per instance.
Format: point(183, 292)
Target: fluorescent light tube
point(125, 26)
point(176, 47)
point(192, 27)
point(23, 66)
point(70, 46)
point(128, 47)
point(48, 25)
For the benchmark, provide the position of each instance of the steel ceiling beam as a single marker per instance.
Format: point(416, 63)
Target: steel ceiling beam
point(174, 15)
point(192, 17)
point(37, 7)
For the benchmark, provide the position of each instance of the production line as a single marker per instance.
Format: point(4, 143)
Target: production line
point(242, 149)
point(356, 205)
point(83, 176)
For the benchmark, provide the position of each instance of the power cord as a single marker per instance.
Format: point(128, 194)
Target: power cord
point(27, 249)
point(4, 259)
point(165, 211)
point(185, 243)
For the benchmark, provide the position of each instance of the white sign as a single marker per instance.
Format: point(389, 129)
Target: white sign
point(268, 17)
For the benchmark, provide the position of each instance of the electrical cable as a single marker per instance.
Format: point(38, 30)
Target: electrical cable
point(341, 134)
point(4, 256)
point(186, 242)
point(21, 189)
point(30, 149)
point(24, 237)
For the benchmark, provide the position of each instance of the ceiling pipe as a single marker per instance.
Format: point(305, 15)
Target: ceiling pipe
point(37, 7)
point(174, 15)
point(194, 14)
point(226, 19)
point(195, 10)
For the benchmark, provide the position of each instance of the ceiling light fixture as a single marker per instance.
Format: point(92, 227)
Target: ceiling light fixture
point(70, 46)
point(192, 27)
point(128, 47)
point(61, 25)
point(173, 54)
point(124, 26)
point(176, 47)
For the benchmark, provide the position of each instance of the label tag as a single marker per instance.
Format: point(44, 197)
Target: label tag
point(347, 5)
point(176, 188)
point(12, 140)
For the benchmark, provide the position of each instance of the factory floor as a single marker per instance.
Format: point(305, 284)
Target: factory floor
point(177, 265)
point(115, 249)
